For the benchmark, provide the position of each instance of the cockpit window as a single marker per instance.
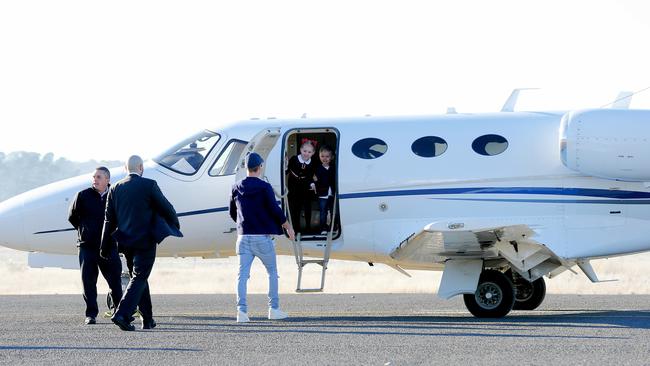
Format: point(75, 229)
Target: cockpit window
point(187, 156)
point(228, 160)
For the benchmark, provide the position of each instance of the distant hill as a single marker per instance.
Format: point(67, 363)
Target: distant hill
point(21, 171)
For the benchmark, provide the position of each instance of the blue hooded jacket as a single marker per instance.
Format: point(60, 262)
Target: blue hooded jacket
point(254, 208)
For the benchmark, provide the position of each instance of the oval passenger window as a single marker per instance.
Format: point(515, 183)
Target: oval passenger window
point(490, 145)
point(429, 146)
point(369, 148)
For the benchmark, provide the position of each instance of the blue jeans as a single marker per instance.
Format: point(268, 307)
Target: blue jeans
point(325, 205)
point(262, 247)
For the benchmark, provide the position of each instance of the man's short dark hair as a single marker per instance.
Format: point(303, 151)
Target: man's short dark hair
point(105, 170)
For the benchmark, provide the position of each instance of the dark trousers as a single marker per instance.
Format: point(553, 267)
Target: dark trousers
point(326, 205)
point(300, 201)
point(91, 263)
point(140, 263)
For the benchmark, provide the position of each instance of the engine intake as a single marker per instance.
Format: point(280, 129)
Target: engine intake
point(607, 143)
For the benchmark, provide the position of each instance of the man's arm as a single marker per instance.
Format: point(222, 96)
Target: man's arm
point(287, 226)
point(110, 224)
point(272, 205)
point(73, 212)
point(277, 213)
point(163, 206)
point(233, 207)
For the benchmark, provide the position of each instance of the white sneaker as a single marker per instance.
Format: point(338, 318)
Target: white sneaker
point(323, 232)
point(242, 317)
point(277, 314)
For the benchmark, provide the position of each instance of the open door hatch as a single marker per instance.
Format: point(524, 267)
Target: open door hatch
point(262, 143)
point(323, 237)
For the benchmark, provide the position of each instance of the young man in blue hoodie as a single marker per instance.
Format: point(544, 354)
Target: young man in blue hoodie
point(258, 216)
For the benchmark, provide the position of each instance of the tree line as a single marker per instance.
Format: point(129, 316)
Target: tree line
point(21, 171)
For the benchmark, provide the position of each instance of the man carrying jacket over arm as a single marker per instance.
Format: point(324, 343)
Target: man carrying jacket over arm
point(132, 209)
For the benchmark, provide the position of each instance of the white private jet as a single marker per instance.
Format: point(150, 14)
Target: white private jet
point(495, 201)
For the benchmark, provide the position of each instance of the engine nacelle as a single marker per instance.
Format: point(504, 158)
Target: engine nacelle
point(607, 143)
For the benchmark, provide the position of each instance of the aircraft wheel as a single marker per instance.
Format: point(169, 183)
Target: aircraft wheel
point(494, 296)
point(529, 295)
point(109, 300)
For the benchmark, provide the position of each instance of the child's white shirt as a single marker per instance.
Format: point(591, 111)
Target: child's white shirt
point(302, 161)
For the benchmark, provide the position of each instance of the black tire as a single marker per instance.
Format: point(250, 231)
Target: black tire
point(109, 301)
point(529, 295)
point(494, 296)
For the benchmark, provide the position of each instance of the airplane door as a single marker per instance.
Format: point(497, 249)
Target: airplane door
point(209, 226)
point(262, 143)
point(310, 221)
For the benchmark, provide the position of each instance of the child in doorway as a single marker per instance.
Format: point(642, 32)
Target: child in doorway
point(325, 186)
point(300, 171)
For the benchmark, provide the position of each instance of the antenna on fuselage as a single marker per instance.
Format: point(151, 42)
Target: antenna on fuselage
point(624, 99)
point(509, 106)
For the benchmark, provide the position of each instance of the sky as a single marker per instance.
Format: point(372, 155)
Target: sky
point(104, 80)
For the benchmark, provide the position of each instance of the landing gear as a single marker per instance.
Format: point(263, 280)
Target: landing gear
point(125, 278)
point(529, 295)
point(109, 301)
point(494, 296)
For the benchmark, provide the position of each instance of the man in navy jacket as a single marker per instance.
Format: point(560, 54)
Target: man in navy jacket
point(134, 204)
point(258, 216)
point(86, 215)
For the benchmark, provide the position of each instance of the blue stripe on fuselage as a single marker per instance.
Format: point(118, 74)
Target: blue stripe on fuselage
point(609, 196)
point(201, 212)
point(524, 200)
point(584, 192)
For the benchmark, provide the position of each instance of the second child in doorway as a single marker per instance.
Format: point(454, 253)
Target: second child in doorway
point(301, 170)
point(325, 186)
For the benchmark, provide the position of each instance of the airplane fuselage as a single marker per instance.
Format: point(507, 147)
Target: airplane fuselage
point(384, 200)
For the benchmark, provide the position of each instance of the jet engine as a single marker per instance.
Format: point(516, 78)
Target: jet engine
point(607, 143)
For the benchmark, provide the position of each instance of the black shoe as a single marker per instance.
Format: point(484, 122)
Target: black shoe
point(149, 324)
point(122, 323)
point(90, 320)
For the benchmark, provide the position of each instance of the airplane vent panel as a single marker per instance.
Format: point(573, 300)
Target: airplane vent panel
point(607, 143)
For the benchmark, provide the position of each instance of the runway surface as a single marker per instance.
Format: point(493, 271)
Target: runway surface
point(369, 329)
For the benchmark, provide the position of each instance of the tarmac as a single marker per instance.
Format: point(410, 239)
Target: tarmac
point(368, 329)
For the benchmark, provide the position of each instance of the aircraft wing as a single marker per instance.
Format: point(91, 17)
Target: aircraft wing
point(512, 245)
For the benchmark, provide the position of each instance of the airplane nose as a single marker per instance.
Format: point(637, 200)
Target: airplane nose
point(12, 223)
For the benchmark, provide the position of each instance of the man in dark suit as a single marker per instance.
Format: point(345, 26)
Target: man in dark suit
point(86, 215)
point(133, 209)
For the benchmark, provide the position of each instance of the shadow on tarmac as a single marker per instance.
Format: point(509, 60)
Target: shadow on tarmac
point(80, 348)
point(522, 323)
